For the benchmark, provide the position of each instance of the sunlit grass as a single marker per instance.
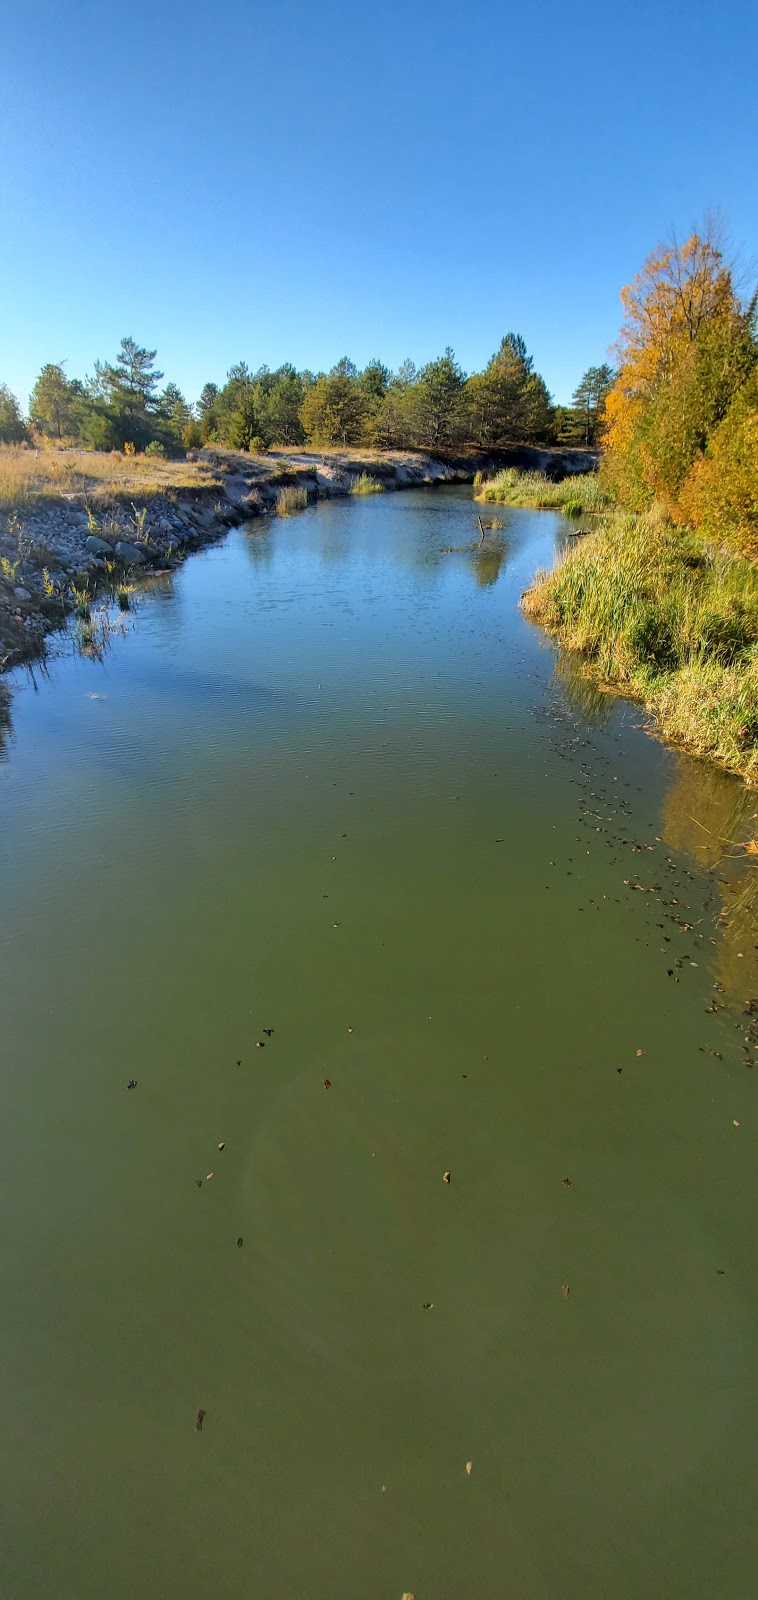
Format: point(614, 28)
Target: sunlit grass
point(573, 496)
point(669, 619)
point(365, 484)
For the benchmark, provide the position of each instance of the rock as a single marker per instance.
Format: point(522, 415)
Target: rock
point(174, 542)
point(98, 547)
point(129, 554)
point(21, 593)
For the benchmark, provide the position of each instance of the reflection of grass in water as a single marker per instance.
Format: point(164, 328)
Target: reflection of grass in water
point(5, 719)
point(487, 563)
point(710, 816)
point(580, 690)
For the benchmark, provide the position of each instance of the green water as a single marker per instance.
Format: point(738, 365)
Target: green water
point(330, 783)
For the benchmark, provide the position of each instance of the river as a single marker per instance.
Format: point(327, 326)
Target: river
point(336, 861)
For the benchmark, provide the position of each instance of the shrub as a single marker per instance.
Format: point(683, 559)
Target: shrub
point(155, 448)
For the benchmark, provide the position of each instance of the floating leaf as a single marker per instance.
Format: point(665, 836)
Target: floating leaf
point(208, 1177)
point(469, 1467)
point(428, 1305)
point(199, 1420)
point(222, 1144)
point(260, 1044)
point(446, 1177)
point(567, 1183)
point(132, 1084)
point(566, 1290)
point(199, 1183)
point(327, 1083)
point(640, 1052)
point(240, 1242)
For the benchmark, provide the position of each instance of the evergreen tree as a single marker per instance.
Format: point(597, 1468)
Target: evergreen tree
point(12, 425)
point(53, 403)
point(437, 401)
point(588, 400)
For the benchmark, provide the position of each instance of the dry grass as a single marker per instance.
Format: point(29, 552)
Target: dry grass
point(291, 500)
point(28, 474)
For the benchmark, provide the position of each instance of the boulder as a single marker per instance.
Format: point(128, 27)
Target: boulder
point(98, 547)
point(129, 554)
point(21, 593)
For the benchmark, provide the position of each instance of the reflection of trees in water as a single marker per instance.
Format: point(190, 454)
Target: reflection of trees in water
point(712, 816)
point(580, 691)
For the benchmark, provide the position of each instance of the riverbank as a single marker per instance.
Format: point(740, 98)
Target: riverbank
point(75, 523)
point(663, 617)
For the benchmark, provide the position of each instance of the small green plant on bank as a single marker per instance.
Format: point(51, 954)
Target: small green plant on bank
point(155, 450)
point(365, 484)
point(8, 569)
point(290, 500)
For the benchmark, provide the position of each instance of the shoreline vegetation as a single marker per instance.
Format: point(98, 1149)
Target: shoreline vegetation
point(661, 599)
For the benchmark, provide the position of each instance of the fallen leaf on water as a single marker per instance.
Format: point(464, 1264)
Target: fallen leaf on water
point(259, 1044)
point(132, 1084)
point(469, 1466)
point(407, 1595)
point(349, 1030)
point(240, 1242)
point(199, 1183)
point(566, 1290)
point(640, 1052)
point(199, 1420)
point(327, 1083)
point(567, 1183)
point(268, 1031)
point(446, 1177)
point(222, 1142)
point(720, 1272)
point(736, 1124)
point(428, 1305)
point(208, 1177)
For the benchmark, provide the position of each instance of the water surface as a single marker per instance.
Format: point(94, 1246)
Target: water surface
point(331, 784)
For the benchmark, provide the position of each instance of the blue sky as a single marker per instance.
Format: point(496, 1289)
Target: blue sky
point(300, 180)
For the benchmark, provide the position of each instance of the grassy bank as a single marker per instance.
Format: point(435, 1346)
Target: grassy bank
point(661, 615)
point(573, 496)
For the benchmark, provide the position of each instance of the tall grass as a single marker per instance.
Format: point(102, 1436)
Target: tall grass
point(667, 618)
point(574, 496)
point(290, 500)
point(365, 484)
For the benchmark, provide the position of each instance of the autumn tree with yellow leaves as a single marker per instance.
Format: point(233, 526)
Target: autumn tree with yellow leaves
point(685, 357)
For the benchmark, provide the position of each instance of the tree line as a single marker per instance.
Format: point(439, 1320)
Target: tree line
point(123, 405)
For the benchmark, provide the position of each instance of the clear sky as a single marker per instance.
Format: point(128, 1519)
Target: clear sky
point(304, 179)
